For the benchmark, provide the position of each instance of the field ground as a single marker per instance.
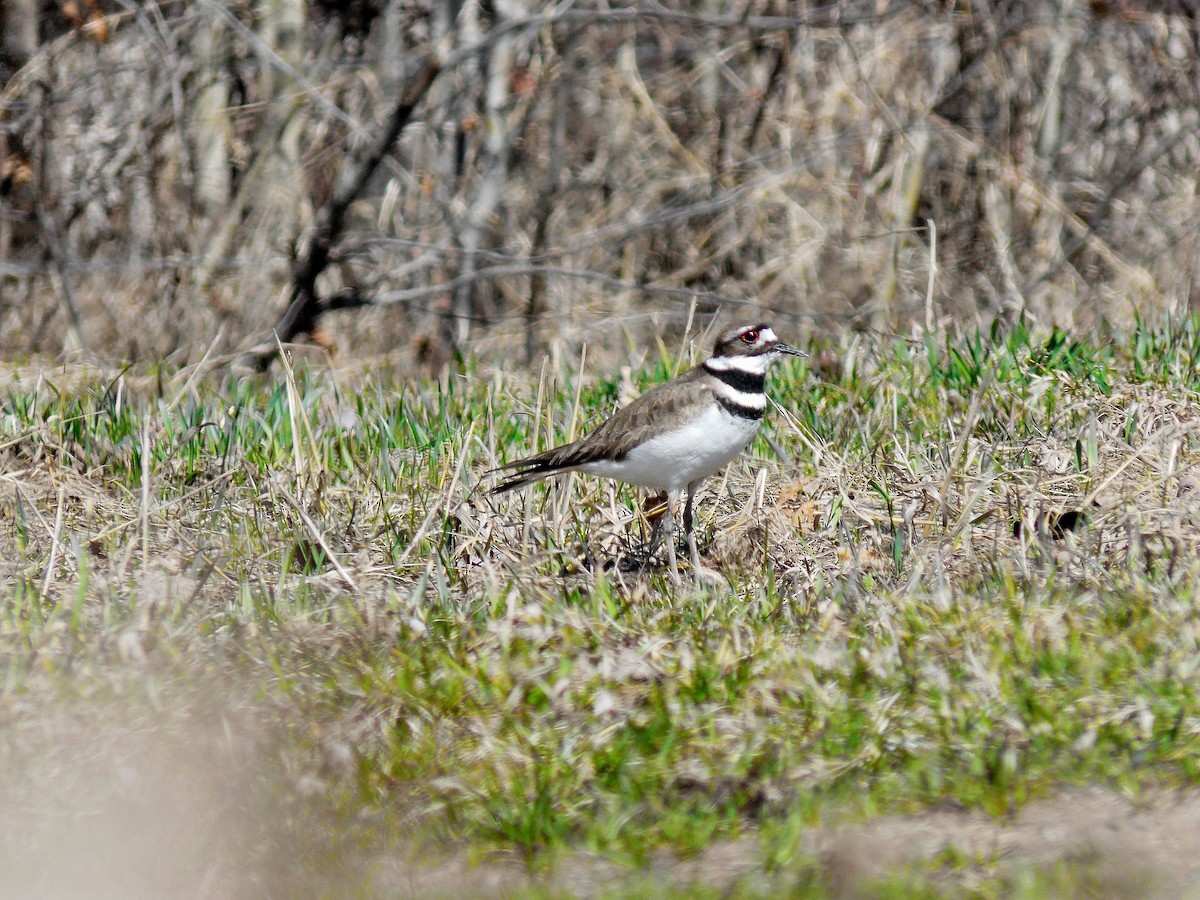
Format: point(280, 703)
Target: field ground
point(271, 638)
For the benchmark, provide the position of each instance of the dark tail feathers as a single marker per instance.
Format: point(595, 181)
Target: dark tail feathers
point(534, 468)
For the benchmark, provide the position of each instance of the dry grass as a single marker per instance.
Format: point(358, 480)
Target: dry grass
point(308, 634)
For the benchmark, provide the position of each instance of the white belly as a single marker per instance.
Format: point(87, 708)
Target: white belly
point(676, 458)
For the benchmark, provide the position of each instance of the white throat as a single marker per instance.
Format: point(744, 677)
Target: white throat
point(751, 365)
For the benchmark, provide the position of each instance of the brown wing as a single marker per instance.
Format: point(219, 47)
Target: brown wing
point(640, 420)
point(625, 429)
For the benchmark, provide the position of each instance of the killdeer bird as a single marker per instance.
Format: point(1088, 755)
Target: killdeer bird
point(676, 434)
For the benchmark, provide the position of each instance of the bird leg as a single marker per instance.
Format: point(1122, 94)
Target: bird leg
point(654, 509)
point(668, 524)
point(688, 521)
point(664, 530)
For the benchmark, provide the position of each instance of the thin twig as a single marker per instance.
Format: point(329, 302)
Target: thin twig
point(54, 542)
point(316, 534)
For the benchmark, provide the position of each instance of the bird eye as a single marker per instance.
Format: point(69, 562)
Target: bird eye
point(750, 336)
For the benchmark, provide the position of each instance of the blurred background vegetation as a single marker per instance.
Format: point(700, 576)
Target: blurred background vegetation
point(563, 172)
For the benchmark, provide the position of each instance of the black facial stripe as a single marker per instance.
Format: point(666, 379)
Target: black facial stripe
point(746, 382)
point(739, 411)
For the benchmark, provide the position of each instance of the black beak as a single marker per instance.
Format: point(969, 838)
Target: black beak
point(789, 350)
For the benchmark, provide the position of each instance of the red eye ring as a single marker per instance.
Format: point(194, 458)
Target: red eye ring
point(750, 336)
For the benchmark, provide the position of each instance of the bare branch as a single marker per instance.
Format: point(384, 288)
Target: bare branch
point(305, 306)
